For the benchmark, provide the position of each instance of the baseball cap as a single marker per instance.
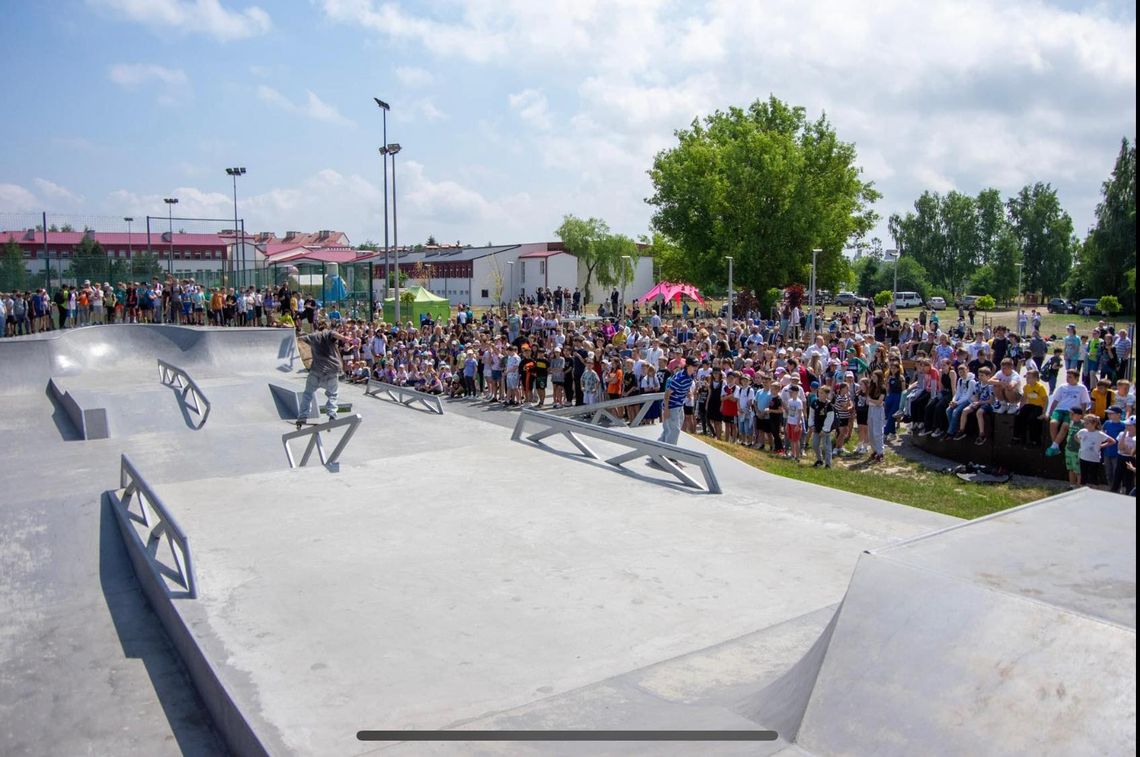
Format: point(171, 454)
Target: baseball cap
point(690, 361)
point(1115, 409)
point(815, 385)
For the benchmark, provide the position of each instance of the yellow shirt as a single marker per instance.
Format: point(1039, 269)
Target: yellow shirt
point(1101, 400)
point(1036, 394)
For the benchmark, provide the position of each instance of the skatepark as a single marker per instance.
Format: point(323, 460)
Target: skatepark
point(174, 580)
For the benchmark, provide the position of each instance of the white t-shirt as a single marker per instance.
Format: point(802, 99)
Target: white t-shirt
point(1013, 378)
point(1067, 396)
point(793, 411)
point(1090, 444)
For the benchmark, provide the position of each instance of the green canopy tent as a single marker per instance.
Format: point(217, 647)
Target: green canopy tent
point(414, 301)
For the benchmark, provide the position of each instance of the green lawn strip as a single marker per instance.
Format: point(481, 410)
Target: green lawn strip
point(897, 480)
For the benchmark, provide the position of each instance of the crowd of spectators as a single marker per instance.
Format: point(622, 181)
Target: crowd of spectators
point(796, 385)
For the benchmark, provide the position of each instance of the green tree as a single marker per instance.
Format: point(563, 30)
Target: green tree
point(13, 274)
point(992, 224)
point(89, 261)
point(868, 273)
point(983, 280)
point(1004, 257)
point(985, 302)
point(580, 237)
point(911, 277)
point(766, 186)
point(883, 298)
point(612, 269)
point(144, 266)
point(1044, 232)
point(1108, 255)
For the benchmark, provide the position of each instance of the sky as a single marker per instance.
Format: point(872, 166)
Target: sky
point(514, 113)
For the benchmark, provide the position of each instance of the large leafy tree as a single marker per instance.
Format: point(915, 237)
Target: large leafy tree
point(1107, 259)
point(599, 250)
point(1044, 232)
point(13, 274)
point(766, 186)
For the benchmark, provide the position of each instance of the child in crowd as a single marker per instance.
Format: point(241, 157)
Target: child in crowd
point(1091, 442)
point(1112, 428)
point(1028, 418)
point(1124, 479)
point(1102, 397)
point(823, 424)
point(1073, 446)
point(1071, 394)
point(794, 420)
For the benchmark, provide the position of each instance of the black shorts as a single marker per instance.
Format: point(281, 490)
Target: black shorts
point(688, 409)
point(861, 416)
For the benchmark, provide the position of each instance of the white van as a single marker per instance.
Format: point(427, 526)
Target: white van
point(907, 300)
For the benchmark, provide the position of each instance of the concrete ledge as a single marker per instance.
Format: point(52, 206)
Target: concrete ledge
point(999, 449)
point(91, 422)
point(238, 733)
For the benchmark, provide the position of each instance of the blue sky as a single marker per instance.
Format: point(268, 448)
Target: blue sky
point(513, 113)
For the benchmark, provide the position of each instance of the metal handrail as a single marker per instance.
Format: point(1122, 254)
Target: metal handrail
point(155, 517)
point(315, 443)
point(599, 411)
point(403, 395)
point(173, 376)
point(664, 456)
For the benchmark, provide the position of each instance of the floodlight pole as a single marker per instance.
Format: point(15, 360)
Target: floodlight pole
point(814, 254)
point(236, 172)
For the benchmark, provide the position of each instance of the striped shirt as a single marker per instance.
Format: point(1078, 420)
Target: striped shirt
point(678, 386)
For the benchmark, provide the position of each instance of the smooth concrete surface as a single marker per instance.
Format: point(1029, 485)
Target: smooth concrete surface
point(446, 577)
point(1012, 635)
point(441, 586)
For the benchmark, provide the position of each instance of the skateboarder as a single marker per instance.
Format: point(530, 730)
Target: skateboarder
point(323, 371)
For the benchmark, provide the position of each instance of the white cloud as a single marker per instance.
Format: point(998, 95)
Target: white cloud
point(17, 199)
point(532, 107)
point(958, 94)
point(207, 17)
point(414, 78)
point(313, 107)
point(57, 194)
point(172, 84)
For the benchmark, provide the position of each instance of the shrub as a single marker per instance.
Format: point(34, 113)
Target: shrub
point(985, 302)
point(771, 299)
point(883, 298)
point(1108, 305)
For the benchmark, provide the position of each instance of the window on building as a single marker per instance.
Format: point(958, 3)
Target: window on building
point(522, 274)
point(484, 293)
point(542, 268)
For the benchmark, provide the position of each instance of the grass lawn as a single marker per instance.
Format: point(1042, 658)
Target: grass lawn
point(895, 479)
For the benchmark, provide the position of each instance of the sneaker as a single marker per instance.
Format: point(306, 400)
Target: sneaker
point(1012, 409)
point(980, 441)
point(817, 464)
point(899, 415)
point(959, 436)
point(1052, 451)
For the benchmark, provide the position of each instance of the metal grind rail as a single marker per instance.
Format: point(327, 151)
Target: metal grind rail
point(192, 396)
point(600, 411)
point(663, 456)
point(403, 395)
point(328, 459)
point(154, 531)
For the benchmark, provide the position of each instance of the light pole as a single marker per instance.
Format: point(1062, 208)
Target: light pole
point(1019, 267)
point(729, 259)
point(130, 249)
point(625, 267)
point(393, 149)
point(511, 287)
point(814, 254)
point(384, 108)
point(170, 203)
point(236, 172)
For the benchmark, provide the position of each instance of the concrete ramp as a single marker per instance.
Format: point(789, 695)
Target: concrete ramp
point(27, 363)
point(1014, 634)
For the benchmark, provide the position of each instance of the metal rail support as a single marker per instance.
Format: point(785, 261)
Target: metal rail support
point(599, 411)
point(192, 396)
point(140, 504)
point(662, 456)
point(329, 460)
point(403, 395)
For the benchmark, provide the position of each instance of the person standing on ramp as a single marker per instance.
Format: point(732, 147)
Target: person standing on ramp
point(323, 371)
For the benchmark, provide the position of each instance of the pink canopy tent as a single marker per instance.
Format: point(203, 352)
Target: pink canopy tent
point(671, 291)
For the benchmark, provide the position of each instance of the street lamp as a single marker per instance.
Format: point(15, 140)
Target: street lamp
point(236, 172)
point(130, 249)
point(393, 149)
point(511, 287)
point(729, 259)
point(170, 203)
point(1019, 267)
point(814, 254)
point(625, 267)
point(384, 108)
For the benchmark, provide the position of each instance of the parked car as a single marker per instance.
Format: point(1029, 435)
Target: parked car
point(847, 299)
point(822, 297)
point(907, 300)
point(967, 301)
point(1086, 306)
point(1060, 305)
point(936, 303)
